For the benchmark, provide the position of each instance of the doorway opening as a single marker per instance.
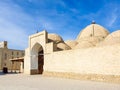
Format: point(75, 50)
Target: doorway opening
point(37, 59)
point(40, 62)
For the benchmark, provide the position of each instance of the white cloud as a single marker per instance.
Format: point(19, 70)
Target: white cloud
point(16, 25)
point(112, 20)
point(109, 14)
point(16, 36)
point(11, 29)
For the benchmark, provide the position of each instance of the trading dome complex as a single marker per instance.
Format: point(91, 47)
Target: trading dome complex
point(94, 53)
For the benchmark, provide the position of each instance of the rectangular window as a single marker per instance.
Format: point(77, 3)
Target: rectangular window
point(5, 56)
point(12, 57)
point(22, 54)
point(17, 53)
point(12, 53)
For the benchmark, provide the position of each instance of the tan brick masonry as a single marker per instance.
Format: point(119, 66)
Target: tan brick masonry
point(92, 77)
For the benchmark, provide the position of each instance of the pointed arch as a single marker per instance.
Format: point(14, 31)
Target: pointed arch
point(37, 54)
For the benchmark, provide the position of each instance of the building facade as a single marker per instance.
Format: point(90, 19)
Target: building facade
point(7, 54)
point(94, 52)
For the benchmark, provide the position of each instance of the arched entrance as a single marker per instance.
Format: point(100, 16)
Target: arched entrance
point(37, 59)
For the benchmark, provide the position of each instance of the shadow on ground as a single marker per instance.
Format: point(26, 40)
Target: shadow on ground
point(1, 73)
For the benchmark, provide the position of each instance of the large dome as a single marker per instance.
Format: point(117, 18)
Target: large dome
point(111, 39)
point(54, 38)
point(93, 30)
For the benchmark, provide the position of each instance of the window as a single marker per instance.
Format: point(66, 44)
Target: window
point(4, 64)
point(12, 53)
point(91, 35)
point(12, 57)
point(5, 56)
point(17, 53)
point(5, 44)
point(22, 54)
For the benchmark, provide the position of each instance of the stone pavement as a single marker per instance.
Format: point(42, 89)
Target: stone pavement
point(38, 82)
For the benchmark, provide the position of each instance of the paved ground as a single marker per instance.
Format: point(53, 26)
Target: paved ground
point(37, 82)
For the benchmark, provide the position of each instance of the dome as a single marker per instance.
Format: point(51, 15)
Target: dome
point(111, 39)
point(93, 30)
point(84, 44)
point(71, 43)
point(54, 38)
point(113, 35)
point(93, 40)
point(62, 46)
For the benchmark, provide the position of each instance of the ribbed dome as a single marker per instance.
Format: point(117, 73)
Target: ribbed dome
point(84, 44)
point(94, 30)
point(54, 38)
point(71, 43)
point(111, 39)
point(62, 46)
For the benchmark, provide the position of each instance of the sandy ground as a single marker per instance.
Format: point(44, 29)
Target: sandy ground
point(38, 82)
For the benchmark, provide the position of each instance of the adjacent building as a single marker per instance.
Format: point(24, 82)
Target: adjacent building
point(7, 54)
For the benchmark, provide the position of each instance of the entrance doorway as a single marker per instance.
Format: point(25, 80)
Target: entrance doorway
point(40, 62)
point(37, 59)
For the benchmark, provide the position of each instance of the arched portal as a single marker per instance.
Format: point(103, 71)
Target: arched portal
point(37, 59)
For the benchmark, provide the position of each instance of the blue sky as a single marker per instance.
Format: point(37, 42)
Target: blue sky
point(21, 18)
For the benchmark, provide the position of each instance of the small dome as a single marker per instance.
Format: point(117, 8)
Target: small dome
point(113, 35)
point(62, 46)
point(84, 44)
point(71, 43)
point(93, 30)
point(54, 38)
point(111, 39)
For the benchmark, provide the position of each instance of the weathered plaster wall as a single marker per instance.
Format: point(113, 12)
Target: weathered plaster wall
point(27, 61)
point(98, 60)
